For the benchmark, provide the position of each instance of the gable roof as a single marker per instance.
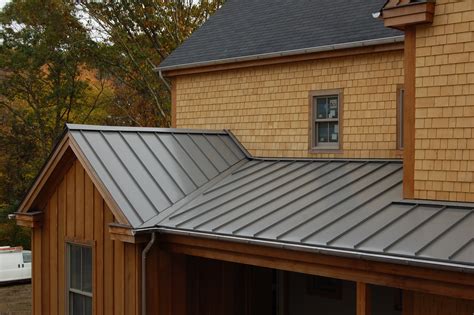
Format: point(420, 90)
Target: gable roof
point(255, 29)
point(204, 183)
point(146, 170)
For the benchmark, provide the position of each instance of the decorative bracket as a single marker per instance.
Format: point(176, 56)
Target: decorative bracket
point(29, 219)
point(125, 233)
point(401, 13)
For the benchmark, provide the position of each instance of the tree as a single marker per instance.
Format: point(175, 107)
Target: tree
point(141, 34)
point(83, 63)
point(46, 81)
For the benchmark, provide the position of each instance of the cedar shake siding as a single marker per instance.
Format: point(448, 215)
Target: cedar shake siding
point(268, 108)
point(444, 144)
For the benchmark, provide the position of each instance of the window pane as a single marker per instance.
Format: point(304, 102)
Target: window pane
point(75, 267)
point(88, 306)
point(321, 108)
point(26, 256)
point(76, 304)
point(333, 110)
point(333, 132)
point(323, 132)
point(87, 269)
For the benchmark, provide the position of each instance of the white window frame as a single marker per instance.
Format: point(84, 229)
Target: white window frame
point(315, 146)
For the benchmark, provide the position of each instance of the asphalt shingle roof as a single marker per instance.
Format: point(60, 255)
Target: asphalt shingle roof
point(243, 28)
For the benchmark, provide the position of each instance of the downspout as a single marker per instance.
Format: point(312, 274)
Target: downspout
point(144, 254)
point(160, 74)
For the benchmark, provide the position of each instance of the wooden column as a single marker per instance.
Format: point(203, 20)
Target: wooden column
point(409, 114)
point(363, 299)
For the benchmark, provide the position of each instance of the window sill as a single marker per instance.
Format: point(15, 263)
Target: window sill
point(325, 150)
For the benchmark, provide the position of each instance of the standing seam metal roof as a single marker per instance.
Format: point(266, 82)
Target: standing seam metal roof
point(185, 181)
point(147, 170)
point(336, 204)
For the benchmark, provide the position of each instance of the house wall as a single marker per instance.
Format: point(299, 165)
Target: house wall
point(267, 107)
point(444, 143)
point(76, 212)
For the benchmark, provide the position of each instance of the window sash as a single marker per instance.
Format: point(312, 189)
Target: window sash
point(78, 256)
point(315, 131)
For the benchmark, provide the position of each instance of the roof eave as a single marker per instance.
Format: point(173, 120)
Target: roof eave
point(294, 52)
point(435, 264)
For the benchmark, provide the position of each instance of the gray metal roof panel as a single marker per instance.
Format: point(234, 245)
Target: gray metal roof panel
point(255, 28)
point(148, 170)
point(352, 205)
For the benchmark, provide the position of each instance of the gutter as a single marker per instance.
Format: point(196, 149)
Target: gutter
point(293, 52)
point(144, 275)
point(325, 250)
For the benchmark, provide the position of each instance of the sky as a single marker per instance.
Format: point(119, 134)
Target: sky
point(2, 3)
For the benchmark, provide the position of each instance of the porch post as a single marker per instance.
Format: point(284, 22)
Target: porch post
point(363, 299)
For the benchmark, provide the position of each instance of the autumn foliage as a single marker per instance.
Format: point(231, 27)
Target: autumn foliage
point(89, 63)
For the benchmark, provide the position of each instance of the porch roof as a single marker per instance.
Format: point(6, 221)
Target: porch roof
point(348, 207)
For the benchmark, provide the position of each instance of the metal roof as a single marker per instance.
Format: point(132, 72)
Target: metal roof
point(147, 170)
point(255, 29)
point(205, 183)
point(348, 205)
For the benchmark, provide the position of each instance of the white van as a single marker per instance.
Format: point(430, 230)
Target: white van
point(15, 265)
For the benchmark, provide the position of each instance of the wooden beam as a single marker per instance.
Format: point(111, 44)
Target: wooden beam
point(287, 59)
point(124, 233)
point(448, 283)
point(29, 219)
point(364, 303)
point(409, 114)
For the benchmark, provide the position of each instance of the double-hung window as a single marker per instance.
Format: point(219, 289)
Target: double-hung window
point(326, 113)
point(79, 280)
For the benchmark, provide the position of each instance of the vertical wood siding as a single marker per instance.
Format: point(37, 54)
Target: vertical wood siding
point(76, 211)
